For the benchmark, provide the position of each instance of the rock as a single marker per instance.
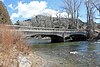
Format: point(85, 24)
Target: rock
point(24, 61)
point(31, 60)
point(74, 52)
point(16, 58)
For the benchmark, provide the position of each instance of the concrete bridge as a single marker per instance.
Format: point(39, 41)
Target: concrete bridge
point(56, 34)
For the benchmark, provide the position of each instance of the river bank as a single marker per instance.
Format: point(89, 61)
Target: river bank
point(15, 58)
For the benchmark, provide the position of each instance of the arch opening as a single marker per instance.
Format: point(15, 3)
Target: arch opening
point(54, 38)
point(78, 37)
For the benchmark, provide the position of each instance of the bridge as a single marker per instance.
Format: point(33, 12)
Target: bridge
point(56, 34)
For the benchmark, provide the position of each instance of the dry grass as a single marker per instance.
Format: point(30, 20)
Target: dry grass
point(10, 41)
point(10, 38)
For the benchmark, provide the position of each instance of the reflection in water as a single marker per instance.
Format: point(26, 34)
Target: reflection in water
point(71, 54)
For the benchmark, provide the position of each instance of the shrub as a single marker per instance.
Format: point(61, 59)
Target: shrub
point(9, 38)
point(11, 45)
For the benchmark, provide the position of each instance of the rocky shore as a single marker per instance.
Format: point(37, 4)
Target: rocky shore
point(15, 58)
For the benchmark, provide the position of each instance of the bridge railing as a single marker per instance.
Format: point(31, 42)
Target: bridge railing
point(18, 27)
point(33, 28)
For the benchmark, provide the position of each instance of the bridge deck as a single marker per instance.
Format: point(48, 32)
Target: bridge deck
point(42, 30)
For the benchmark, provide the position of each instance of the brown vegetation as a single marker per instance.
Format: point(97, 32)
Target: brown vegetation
point(11, 45)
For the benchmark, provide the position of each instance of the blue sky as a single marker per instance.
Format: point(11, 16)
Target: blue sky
point(25, 9)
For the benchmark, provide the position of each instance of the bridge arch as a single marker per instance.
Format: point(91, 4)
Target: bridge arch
point(78, 37)
point(54, 38)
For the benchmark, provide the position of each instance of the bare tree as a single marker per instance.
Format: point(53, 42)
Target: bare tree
point(49, 22)
point(78, 14)
point(72, 8)
point(97, 6)
point(37, 21)
point(58, 15)
point(68, 8)
point(90, 17)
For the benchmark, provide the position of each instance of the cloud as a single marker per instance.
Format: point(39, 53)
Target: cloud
point(50, 12)
point(11, 6)
point(31, 9)
point(54, 13)
point(14, 15)
point(27, 10)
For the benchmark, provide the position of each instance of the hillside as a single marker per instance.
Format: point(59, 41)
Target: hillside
point(52, 22)
point(4, 16)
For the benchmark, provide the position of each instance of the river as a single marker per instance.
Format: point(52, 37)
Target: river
point(69, 54)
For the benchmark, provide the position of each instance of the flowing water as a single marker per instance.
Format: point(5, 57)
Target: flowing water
point(70, 54)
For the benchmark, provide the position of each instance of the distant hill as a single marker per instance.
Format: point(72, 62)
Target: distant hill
point(4, 16)
point(52, 22)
